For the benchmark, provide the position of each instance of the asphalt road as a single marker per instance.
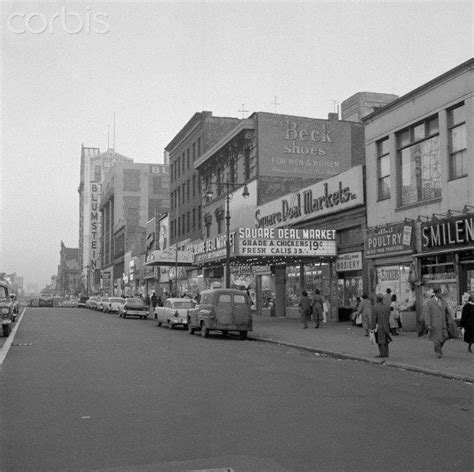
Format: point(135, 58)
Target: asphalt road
point(83, 391)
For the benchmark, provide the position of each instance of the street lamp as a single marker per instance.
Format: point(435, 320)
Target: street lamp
point(228, 186)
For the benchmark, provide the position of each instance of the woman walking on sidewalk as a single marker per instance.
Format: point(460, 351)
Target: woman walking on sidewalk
point(305, 308)
point(365, 311)
point(467, 322)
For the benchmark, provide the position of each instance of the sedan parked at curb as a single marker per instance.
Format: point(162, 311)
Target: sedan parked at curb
point(174, 312)
point(113, 304)
point(133, 307)
point(92, 303)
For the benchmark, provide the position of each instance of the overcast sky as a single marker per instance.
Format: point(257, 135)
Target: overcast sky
point(155, 64)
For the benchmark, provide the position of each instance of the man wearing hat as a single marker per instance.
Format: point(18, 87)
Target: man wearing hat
point(436, 312)
point(380, 323)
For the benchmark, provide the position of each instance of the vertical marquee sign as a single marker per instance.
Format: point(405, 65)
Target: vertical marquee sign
point(95, 226)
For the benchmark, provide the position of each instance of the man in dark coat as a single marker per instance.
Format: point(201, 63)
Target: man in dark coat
point(305, 308)
point(380, 323)
point(467, 322)
point(318, 301)
point(436, 312)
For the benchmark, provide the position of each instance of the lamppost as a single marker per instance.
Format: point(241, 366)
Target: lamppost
point(228, 186)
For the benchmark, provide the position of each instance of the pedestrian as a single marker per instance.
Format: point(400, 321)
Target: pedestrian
point(387, 298)
point(365, 311)
point(436, 319)
point(154, 302)
point(380, 325)
point(325, 311)
point(467, 322)
point(305, 308)
point(394, 315)
point(197, 298)
point(318, 301)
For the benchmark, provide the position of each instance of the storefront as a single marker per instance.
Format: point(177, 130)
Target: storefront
point(274, 264)
point(446, 258)
point(389, 253)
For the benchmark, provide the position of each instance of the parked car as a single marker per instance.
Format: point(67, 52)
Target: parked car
point(113, 304)
point(133, 307)
point(102, 303)
point(6, 309)
point(221, 310)
point(81, 303)
point(174, 312)
point(92, 303)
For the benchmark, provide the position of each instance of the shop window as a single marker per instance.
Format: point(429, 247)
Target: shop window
point(419, 158)
point(396, 278)
point(383, 169)
point(457, 141)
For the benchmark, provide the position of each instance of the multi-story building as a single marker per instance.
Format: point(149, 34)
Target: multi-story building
point(68, 280)
point(420, 191)
point(94, 166)
point(291, 166)
point(132, 194)
point(185, 218)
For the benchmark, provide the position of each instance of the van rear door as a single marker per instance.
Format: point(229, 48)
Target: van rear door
point(241, 310)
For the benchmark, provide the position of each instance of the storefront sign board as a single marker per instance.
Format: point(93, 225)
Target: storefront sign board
point(335, 194)
point(349, 261)
point(448, 233)
point(279, 242)
point(388, 239)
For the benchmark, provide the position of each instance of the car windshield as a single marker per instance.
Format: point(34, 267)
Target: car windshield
point(116, 300)
point(3, 292)
point(135, 302)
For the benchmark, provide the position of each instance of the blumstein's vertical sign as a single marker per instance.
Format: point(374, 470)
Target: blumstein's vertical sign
point(95, 226)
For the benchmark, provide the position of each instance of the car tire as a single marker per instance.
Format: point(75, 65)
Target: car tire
point(159, 323)
point(204, 331)
point(124, 315)
point(190, 328)
point(243, 335)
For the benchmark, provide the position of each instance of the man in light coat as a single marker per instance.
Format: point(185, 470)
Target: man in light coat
point(365, 311)
point(436, 312)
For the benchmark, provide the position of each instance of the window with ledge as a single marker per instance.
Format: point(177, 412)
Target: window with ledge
point(419, 159)
point(457, 141)
point(383, 168)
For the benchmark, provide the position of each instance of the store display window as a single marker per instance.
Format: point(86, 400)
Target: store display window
point(350, 289)
point(396, 279)
point(316, 276)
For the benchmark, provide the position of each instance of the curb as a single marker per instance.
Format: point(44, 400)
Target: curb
point(369, 360)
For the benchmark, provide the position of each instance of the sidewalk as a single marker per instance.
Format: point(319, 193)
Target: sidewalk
point(343, 340)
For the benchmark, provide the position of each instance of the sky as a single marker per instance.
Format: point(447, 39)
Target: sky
point(67, 67)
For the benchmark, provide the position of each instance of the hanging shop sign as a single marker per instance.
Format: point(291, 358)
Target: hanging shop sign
point(389, 239)
point(213, 249)
point(168, 256)
point(453, 232)
point(286, 242)
point(349, 261)
point(335, 194)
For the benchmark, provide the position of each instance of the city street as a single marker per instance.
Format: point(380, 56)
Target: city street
point(82, 390)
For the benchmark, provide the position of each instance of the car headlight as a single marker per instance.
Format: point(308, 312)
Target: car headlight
point(5, 310)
